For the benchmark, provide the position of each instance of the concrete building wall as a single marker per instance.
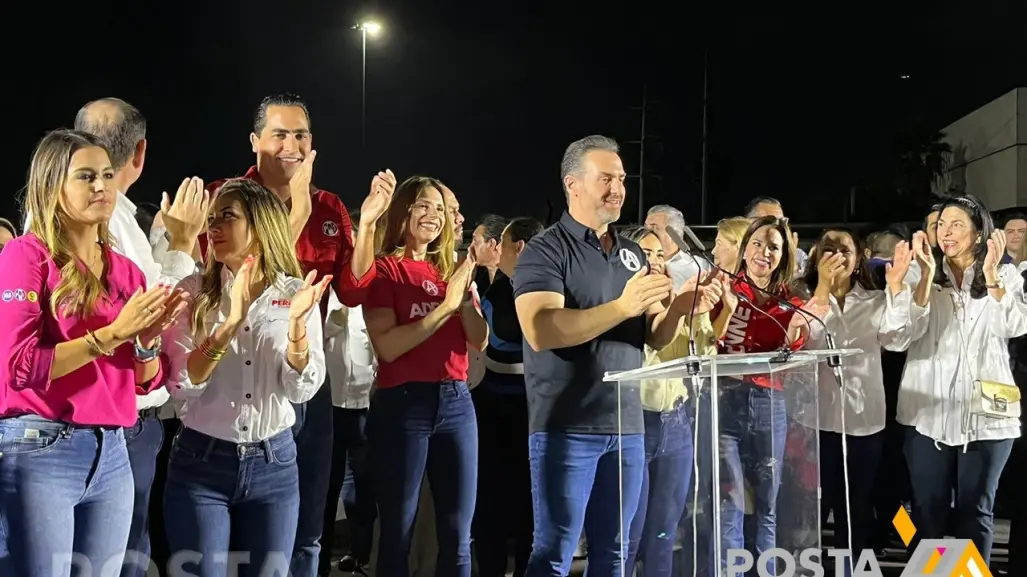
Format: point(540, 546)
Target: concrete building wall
point(989, 152)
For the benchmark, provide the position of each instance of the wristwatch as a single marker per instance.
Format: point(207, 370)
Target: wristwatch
point(998, 285)
point(146, 355)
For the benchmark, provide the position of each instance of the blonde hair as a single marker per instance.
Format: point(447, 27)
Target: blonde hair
point(79, 289)
point(276, 255)
point(733, 229)
point(394, 226)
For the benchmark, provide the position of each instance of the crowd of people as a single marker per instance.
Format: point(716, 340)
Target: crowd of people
point(195, 387)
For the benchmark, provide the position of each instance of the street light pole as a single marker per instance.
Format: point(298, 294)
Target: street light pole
point(367, 27)
point(363, 83)
point(705, 136)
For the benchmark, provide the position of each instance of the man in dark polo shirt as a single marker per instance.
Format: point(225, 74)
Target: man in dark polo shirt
point(281, 140)
point(587, 306)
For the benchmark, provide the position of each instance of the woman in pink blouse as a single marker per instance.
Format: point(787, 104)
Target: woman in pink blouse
point(80, 338)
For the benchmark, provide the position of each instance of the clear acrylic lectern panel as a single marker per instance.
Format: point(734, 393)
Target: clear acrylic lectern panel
point(733, 466)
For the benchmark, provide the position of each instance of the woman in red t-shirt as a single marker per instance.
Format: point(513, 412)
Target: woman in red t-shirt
point(421, 318)
point(753, 426)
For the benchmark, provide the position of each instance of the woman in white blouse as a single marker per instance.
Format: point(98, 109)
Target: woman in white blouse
point(248, 348)
point(837, 275)
point(957, 334)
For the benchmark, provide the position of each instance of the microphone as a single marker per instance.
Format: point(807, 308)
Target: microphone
point(786, 350)
point(834, 361)
point(692, 238)
point(693, 366)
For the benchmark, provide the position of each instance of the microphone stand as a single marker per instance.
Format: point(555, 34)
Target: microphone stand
point(694, 365)
point(834, 360)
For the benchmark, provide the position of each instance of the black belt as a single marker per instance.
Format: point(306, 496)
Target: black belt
point(151, 413)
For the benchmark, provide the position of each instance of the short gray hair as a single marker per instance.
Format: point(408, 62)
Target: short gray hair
point(118, 124)
point(574, 156)
point(675, 218)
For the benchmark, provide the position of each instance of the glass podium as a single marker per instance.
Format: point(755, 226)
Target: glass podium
point(732, 461)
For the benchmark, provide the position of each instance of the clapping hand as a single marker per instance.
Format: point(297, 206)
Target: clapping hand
point(813, 307)
point(242, 296)
point(996, 251)
point(727, 296)
point(460, 282)
point(896, 270)
point(817, 308)
point(699, 295)
point(186, 217)
point(383, 185)
point(173, 307)
point(308, 296)
point(642, 291)
point(143, 310)
point(711, 290)
point(923, 254)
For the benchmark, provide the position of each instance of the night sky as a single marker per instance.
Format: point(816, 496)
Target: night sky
point(485, 96)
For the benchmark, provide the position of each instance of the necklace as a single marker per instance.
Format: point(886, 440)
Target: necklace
point(93, 257)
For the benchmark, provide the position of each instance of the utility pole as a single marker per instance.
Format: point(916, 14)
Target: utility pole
point(646, 142)
point(641, 155)
point(705, 139)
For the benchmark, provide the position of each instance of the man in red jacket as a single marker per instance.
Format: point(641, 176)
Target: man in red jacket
point(281, 140)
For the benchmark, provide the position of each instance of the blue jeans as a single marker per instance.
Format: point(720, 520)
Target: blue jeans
point(414, 429)
point(144, 441)
point(63, 498)
point(231, 503)
point(753, 431)
point(665, 479)
point(313, 432)
point(574, 486)
point(935, 471)
point(351, 478)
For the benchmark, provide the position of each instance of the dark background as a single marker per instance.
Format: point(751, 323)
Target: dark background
point(485, 96)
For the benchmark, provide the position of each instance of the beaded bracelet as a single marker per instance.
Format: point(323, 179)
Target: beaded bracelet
point(144, 355)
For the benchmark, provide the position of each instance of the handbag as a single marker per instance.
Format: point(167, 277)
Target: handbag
point(995, 400)
point(990, 399)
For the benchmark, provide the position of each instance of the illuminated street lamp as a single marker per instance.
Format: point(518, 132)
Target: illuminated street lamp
point(372, 29)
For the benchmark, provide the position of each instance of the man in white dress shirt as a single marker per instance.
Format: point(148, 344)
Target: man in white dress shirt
point(680, 265)
point(351, 366)
point(122, 128)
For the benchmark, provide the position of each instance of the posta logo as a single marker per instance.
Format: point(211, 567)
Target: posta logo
point(939, 557)
point(932, 558)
